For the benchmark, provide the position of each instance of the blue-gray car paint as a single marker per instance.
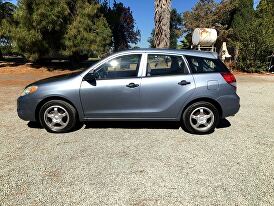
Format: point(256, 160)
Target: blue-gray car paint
point(157, 98)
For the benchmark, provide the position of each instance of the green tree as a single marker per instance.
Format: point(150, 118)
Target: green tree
point(223, 18)
point(47, 28)
point(265, 23)
point(175, 28)
point(245, 34)
point(6, 16)
point(122, 25)
point(185, 42)
point(201, 16)
point(151, 39)
point(88, 34)
point(39, 28)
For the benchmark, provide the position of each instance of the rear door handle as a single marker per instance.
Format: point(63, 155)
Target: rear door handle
point(184, 82)
point(132, 85)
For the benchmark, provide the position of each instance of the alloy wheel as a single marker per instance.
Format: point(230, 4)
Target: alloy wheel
point(202, 119)
point(56, 117)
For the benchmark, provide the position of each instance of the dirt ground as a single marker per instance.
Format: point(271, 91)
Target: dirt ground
point(14, 75)
point(138, 163)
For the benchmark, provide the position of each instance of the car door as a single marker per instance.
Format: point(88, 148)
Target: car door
point(166, 86)
point(116, 92)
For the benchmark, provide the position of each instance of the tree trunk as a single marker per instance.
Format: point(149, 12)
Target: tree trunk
point(162, 23)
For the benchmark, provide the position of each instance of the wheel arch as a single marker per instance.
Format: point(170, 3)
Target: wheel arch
point(204, 99)
point(47, 99)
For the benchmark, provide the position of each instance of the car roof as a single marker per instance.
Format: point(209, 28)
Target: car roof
point(196, 53)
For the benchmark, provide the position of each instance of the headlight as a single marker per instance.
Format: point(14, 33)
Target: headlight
point(29, 90)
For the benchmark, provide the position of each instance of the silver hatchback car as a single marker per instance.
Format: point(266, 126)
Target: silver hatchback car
point(193, 87)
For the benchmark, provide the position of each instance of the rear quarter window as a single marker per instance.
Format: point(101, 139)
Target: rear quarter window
point(205, 65)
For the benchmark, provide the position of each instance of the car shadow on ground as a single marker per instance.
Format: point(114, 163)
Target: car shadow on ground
point(34, 125)
point(224, 123)
point(132, 125)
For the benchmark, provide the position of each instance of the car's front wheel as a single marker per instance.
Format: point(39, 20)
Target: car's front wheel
point(58, 116)
point(201, 118)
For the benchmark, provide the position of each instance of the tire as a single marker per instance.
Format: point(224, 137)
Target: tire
point(201, 118)
point(58, 116)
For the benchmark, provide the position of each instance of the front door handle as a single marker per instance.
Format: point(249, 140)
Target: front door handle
point(184, 82)
point(132, 85)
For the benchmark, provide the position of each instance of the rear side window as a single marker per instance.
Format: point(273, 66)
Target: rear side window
point(164, 65)
point(205, 65)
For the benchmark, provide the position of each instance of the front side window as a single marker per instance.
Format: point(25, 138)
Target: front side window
point(161, 65)
point(205, 65)
point(121, 67)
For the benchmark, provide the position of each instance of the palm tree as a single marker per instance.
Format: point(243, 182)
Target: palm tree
point(162, 23)
point(6, 11)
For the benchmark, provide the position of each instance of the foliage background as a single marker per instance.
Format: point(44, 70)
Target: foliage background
point(78, 29)
point(248, 31)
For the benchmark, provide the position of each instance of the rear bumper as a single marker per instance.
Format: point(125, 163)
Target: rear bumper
point(26, 107)
point(230, 105)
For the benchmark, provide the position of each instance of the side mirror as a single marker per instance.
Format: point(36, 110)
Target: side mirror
point(90, 78)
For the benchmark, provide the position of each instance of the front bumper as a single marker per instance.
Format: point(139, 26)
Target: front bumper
point(26, 107)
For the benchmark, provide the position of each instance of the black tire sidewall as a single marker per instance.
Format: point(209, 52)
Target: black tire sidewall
point(70, 109)
point(191, 108)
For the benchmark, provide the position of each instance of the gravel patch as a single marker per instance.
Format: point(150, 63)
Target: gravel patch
point(146, 164)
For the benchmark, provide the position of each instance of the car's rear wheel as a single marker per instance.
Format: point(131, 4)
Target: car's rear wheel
point(201, 118)
point(58, 116)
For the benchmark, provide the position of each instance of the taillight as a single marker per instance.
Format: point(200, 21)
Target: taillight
point(229, 78)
